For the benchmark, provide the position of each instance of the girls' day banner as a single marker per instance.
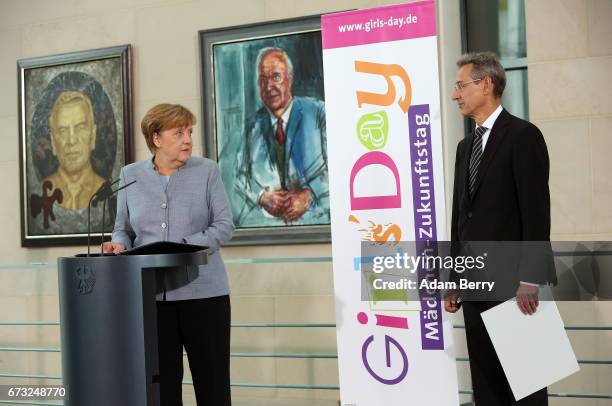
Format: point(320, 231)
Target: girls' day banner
point(386, 185)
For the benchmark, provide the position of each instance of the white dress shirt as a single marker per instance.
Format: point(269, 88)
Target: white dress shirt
point(488, 124)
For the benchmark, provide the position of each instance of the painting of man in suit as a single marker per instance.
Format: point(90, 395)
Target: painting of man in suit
point(75, 131)
point(267, 129)
point(282, 165)
point(73, 146)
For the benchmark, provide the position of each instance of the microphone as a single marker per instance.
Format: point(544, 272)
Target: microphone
point(104, 193)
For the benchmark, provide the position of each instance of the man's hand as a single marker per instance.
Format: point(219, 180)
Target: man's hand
point(451, 301)
point(275, 202)
point(113, 247)
point(527, 298)
point(299, 202)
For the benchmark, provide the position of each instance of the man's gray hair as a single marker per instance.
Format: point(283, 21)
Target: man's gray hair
point(268, 50)
point(486, 64)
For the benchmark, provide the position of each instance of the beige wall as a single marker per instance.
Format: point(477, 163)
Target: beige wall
point(569, 48)
point(163, 34)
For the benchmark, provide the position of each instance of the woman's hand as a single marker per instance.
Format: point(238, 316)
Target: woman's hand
point(113, 247)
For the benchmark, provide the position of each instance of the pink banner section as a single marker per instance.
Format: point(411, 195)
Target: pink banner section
point(383, 24)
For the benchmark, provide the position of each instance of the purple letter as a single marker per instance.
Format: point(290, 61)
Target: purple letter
point(388, 341)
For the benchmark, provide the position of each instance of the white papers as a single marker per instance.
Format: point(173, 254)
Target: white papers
point(534, 351)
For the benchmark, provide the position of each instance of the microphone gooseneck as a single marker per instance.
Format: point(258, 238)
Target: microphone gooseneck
point(104, 193)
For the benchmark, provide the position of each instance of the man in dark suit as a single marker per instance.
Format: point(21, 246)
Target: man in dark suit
point(500, 194)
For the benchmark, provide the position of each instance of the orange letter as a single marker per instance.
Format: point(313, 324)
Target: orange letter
point(388, 98)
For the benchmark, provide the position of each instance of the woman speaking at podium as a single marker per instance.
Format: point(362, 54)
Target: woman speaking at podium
point(181, 198)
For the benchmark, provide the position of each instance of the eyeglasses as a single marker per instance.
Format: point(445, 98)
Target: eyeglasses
point(275, 77)
point(460, 86)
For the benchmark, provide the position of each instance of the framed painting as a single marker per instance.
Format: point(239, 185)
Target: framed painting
point(264, 123)
point(75, 127)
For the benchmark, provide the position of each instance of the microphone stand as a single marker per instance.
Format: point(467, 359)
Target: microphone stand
point(104, 193)
point(102, 190)
point(112, 193)
point(103, 213)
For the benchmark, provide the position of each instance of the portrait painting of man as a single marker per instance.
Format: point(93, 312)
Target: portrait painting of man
point(74, 137)
point(281, 174)
point(269, 131)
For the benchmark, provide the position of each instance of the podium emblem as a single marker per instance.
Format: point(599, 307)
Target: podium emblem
point(86, 279)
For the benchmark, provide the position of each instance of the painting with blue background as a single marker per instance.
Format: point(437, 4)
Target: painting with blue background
point(237, 94)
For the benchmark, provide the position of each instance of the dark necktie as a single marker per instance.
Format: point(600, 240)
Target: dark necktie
point(280, 132)
point(476, 157)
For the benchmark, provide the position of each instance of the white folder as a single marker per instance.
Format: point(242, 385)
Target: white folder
point(534, 350)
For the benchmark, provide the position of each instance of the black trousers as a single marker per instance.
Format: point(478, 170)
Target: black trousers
point(202, 326)
point(489, 381)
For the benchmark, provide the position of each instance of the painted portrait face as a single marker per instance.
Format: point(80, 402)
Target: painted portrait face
point(174, 144)
point(73, 133)
point(274, 82)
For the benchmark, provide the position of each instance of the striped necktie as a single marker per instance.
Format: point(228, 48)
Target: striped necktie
point(476, 157)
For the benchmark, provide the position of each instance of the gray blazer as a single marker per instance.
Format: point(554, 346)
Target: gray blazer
point(193, 208)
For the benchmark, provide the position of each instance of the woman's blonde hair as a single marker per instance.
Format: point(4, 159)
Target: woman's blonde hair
point(164, 117)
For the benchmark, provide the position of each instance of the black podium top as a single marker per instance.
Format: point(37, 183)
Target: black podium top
point(163, 247)
point(154, 255)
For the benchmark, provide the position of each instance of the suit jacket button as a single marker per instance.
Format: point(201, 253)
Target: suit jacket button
point(469, 214)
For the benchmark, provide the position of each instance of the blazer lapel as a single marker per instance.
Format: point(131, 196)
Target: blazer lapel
point(495, 137)
point(295, 119)
point(294, 122)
